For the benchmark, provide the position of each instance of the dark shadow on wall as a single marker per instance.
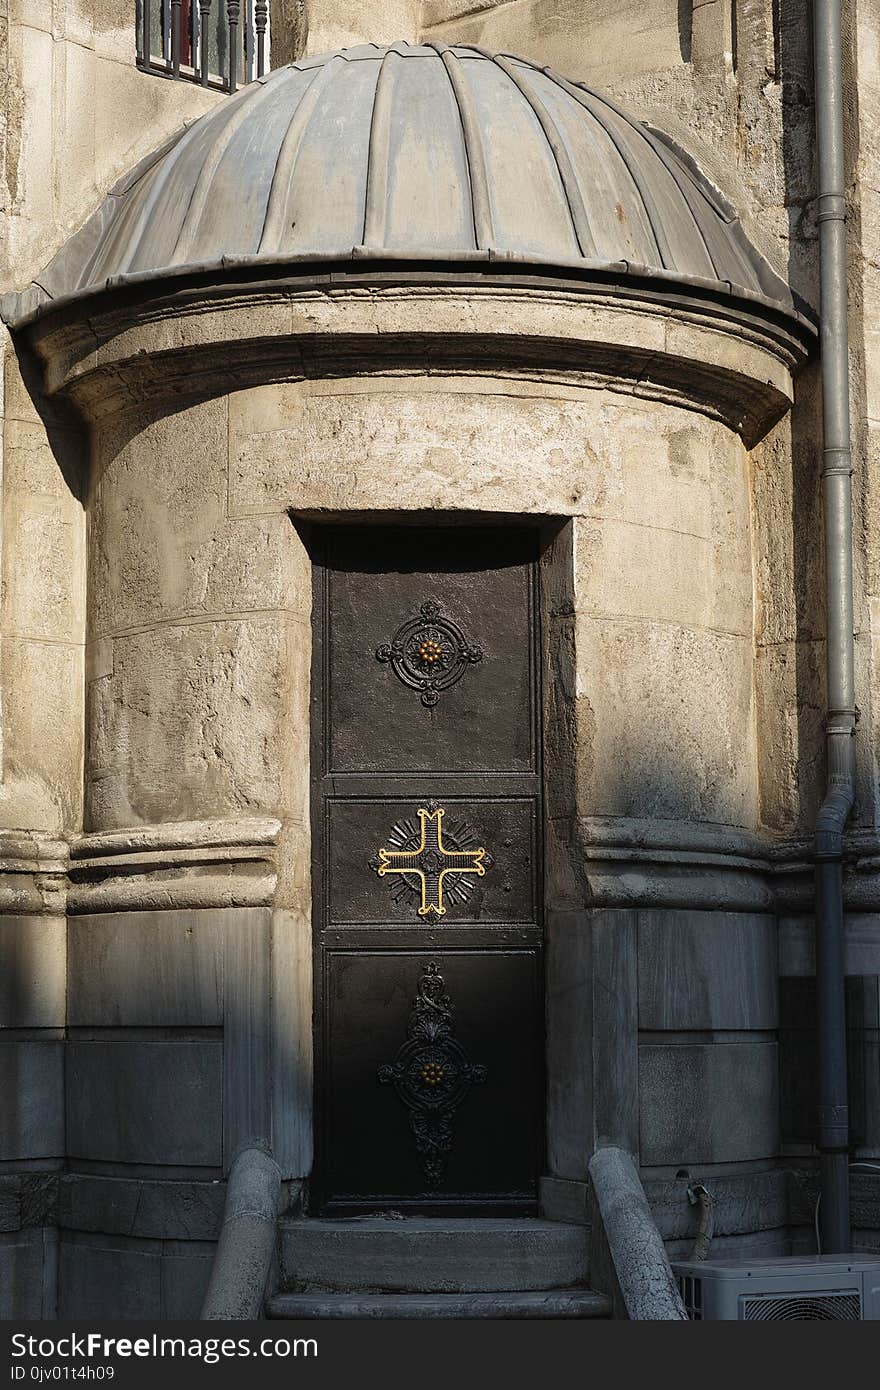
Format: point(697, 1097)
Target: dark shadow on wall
point(685, 28)
point(67, 436)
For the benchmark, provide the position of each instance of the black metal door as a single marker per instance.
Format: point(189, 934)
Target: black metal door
point(427, 883)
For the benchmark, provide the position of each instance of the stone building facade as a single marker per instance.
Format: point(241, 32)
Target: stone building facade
point(584, 313)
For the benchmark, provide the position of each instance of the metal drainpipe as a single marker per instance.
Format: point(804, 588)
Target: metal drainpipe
point(840, 728)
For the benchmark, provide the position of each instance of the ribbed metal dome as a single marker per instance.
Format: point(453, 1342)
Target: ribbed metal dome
point(415, 152)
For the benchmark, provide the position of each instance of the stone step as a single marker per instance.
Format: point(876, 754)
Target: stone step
point(548, 1303)
point(442, 1255)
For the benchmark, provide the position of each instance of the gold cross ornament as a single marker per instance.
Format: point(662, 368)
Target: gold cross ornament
point(431, 861)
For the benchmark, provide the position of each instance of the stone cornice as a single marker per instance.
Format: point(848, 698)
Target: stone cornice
point(138, 346)
point(173, 836)
point(33, 873)
point(186, 864)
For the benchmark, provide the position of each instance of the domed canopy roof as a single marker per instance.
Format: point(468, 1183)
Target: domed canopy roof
point(414, 153)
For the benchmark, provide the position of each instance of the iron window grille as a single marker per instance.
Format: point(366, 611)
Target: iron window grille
point(221, 44)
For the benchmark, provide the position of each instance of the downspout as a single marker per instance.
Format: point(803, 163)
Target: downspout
point(840, 727)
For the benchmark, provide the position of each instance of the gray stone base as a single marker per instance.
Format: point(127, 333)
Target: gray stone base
point(561, 1199)
point(553, 1304)
point(432, 1256)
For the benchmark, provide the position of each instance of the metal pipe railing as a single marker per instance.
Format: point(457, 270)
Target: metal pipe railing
point(630, 1264)
point(216, 43)
point(246, 1245)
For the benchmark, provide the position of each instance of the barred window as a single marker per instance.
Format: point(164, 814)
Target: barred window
point(218, 43)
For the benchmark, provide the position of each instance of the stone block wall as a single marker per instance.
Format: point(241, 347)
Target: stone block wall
point(77, 115)
point(33, 939)
point(165, 1079)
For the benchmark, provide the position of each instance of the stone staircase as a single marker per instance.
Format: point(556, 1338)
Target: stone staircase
point(384, 1267)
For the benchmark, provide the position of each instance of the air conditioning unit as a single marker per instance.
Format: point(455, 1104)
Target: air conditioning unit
point(820, 1288)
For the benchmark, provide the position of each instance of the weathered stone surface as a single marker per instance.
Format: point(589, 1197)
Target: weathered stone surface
point(708, 1102)
point(45, 567)
point(594, 452)
point(42, 743)
point(27, 1288)
point(10, 1204)
point(77, 115)
point(103, 1278)
point(32, 1118)
point(155, 1209)
point(164, 545)
point(190, 722)
point(789, 694)
point(696, 581)
point(746, 1202)
point(140, 1102)
point(864, 1186)
point(665, 864)
point(762, 1245)
point(291, 1042)
point(707, 970)
point(152, 969)
point(176, 841)
point(183, 866)
point(189, 523)
point(645, 746)
point(338, 23)
point(569, 1040)
point(557, 342)
point(560, 1303)
point(440, 1255)
point(39, 1199)
point(32, 979)
point(610, 41)
point(560, 1199)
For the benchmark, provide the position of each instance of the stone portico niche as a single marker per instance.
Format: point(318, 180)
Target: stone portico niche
point(428, 286)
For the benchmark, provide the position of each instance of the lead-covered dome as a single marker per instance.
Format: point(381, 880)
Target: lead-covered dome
point(415, 153)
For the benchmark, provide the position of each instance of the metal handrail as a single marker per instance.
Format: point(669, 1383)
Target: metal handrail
point(246, 1247)
point(628, 1260)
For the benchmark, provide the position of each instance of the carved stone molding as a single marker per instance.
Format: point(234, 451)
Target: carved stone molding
point(172, 836)
point(669, 864)
point(189, 864)
point(134, 345)
point(33, 874)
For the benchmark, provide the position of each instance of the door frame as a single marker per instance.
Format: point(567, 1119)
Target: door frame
point(316, 537)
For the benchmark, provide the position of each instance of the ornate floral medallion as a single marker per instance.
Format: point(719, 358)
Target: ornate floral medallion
point(429, 653)
point(431, 1074)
